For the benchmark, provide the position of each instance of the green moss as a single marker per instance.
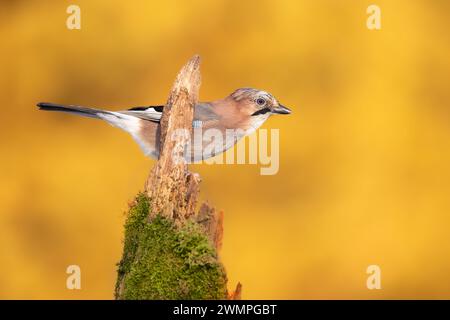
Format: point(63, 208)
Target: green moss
point(164, 261)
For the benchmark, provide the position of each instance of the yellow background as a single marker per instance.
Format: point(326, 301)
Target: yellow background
point(364, 160)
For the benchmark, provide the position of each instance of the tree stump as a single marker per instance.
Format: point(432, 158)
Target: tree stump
point(170, 249)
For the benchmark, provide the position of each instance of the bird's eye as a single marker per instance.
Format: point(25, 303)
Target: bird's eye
point(260, 101)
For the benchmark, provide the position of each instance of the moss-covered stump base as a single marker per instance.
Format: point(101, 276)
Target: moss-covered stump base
point(162, 260)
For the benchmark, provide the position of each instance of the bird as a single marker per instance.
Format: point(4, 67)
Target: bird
point(242, 113)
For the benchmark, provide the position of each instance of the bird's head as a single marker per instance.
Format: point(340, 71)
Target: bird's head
point(254, 102)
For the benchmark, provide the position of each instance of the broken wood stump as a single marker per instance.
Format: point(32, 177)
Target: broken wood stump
point(170, 248)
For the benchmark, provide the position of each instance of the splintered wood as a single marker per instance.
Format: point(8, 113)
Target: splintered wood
point(174, 190)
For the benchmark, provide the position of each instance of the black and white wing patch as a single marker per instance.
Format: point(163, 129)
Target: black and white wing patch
point(156, 108)
point(150, 113)
point(197, 124)
point(204, 115)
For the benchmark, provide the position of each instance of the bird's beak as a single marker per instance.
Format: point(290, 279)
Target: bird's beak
point(280, 109)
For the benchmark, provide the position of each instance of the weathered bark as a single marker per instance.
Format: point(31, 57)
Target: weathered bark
point(212, 223)
point(164, 220)
point(169, 181)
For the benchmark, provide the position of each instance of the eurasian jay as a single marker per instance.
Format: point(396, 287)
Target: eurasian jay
point(242, 112)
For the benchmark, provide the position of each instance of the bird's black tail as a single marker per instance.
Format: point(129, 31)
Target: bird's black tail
point(82, 111)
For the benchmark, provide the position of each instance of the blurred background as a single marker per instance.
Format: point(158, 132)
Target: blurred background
point(364, 159)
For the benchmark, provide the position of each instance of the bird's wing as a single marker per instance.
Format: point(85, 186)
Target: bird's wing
point(204, 115)
point(150, 113)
